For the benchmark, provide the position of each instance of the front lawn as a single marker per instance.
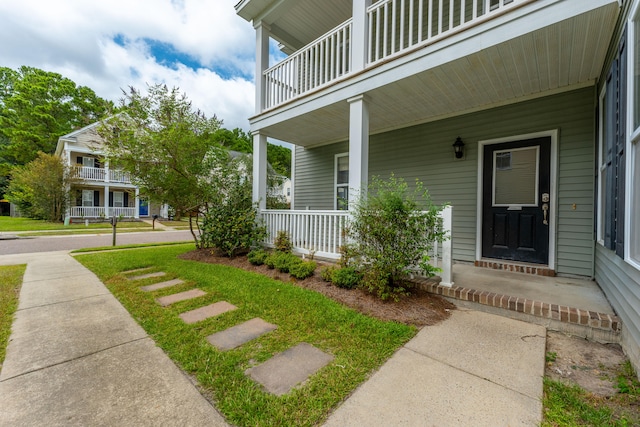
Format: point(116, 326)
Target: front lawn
point(8, 224)
point(10, 283)
point(359, 343)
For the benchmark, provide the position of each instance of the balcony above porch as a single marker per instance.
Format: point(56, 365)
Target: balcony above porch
point(419, 60)
point(102, 175)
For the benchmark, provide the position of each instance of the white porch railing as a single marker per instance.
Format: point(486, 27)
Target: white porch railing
point(119, 176)
point(398, 25)
point(321, 233)
point(91, 174)
point(99, 212)
point(100, 174)
point(395, 26)
point(320, 62)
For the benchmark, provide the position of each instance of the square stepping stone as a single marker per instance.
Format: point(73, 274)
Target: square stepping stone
point(135, 270)
point(205, 312)
point(291, 367)
point(181, 296)
point(148, 275)
point(162, 285)
point(240, 334)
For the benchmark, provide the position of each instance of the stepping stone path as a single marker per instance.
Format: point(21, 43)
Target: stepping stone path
point(291, 367)
point(162, 285)
point(181, 296)
point(240, 334)
point(206, 312)
point(278, 375)
point(148, 275)
point(136, 270)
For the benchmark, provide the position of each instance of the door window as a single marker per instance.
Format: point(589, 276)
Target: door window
point(118, 199)
point(87, 198)
point(515, 177)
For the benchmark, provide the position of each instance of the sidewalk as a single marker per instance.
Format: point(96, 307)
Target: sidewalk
point(76, 357)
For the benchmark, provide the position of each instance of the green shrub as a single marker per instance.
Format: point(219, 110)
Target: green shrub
point(257, 256)
point(281, 261)
point(327, 273)
point(347, 277)
point(391, 230)
point(282, 242)
point(303, 269)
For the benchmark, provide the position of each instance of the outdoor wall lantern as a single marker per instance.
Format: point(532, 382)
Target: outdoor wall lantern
point(458, 148)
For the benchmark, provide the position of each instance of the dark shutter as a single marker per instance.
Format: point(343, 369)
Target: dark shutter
point(79, 198)
point(126, 200)
point(609, 142)
point(96, 198)
point(110, 199)
point(620, 147)
point(79, 160)
point(96, 163)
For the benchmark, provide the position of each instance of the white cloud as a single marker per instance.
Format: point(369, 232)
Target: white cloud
point(76, 39)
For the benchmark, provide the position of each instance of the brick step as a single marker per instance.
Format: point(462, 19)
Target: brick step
point(602, 327)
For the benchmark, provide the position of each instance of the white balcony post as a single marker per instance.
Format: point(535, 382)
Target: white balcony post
point(106, 171)
point(358, 147)
point(136, 212)
point(106, 201)
point(262, 63)
point(359, 34)
point(260, 170)
point(447, 260)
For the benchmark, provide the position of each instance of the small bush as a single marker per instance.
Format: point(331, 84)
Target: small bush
point(257, 256)
point(327, 273)
point(281, 261)
point(303, 269)
point(347, 277)
point(283, 243)
point(270, 261)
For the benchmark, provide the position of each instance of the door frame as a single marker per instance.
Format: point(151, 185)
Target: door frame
point(553, 203)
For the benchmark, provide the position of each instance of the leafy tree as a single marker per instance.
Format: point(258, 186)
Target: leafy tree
point(37, 107)
point(236, 140)
point(392, 230)
point(169, 150)
point(40, 189)
point(279, 158)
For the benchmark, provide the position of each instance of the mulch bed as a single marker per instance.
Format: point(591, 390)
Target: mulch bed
point(420, 308)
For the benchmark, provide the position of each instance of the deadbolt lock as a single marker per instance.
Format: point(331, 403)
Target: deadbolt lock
point(545, 197)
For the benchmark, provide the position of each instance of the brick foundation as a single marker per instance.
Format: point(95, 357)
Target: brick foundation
point(516, 268)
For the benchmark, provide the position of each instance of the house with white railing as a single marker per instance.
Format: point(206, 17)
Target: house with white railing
point(521, 115)
point(102, 191)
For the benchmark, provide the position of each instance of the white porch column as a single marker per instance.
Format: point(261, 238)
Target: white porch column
point(260, 169)
point(106, 171)
point(262, 63)
point(360, 34)
point(293, 176)
point(358, 147)
point(136, 212)
point(106, 201)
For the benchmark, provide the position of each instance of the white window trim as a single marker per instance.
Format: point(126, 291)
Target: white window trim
point(121, 194)
point(335, 179)
point(87, 192)
point(633, 139)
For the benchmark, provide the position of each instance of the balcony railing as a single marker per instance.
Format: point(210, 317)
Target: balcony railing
point(99, 212)
point(321, 233)
point(395, 26)
point(100, 174)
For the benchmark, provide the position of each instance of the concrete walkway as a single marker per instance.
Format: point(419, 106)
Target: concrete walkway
point(76, 357)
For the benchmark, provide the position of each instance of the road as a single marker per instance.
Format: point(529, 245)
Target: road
point(24, 245)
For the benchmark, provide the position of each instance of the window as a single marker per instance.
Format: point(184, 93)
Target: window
point(87, 198)
point(611, 155)
point(633, 146)
point(118, 199)
point(89, 162)
point(342, 182)
point(515, 177)
point(288, 191)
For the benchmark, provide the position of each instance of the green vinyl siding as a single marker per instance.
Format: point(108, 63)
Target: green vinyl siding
point(621, 283)
point(425, 152)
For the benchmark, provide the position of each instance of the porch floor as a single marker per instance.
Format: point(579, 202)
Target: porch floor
point(575, 306)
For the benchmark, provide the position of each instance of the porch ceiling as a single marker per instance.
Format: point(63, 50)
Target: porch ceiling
point(564, 55)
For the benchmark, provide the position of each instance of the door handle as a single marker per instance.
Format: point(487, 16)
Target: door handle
point(545, 211)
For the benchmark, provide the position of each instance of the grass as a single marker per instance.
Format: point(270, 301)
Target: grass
point(8, 224)
point(359, 343)
point(10, 283)
point(131, 246)
point(570, 405)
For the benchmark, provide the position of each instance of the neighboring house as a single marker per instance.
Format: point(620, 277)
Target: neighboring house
point(281, 188)
point(541, 99)
point(103, 191)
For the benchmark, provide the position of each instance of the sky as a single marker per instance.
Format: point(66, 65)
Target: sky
point(200, 46)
